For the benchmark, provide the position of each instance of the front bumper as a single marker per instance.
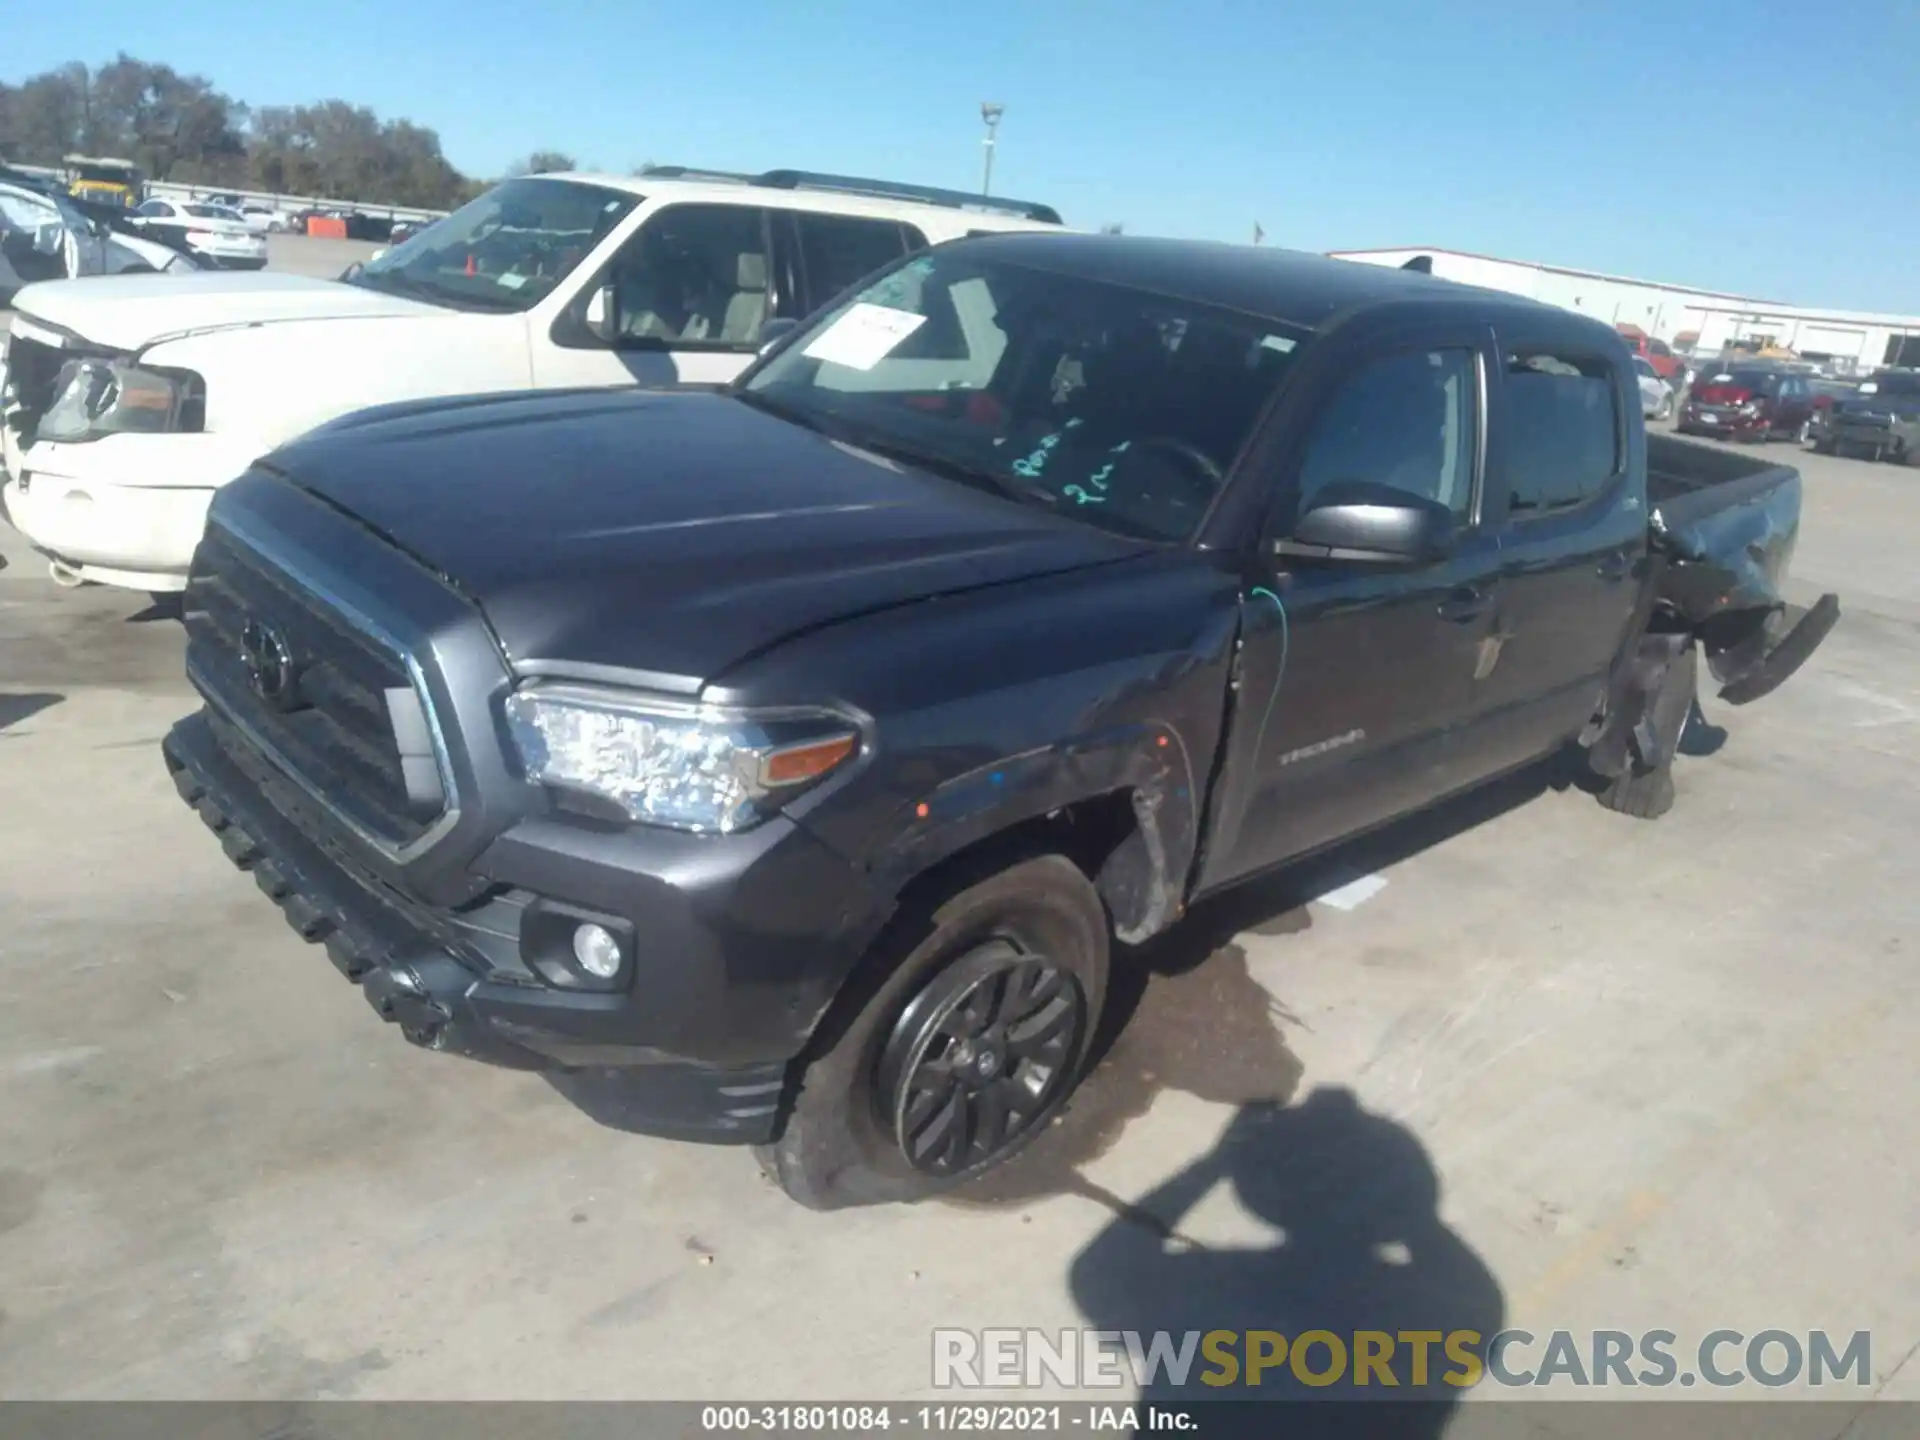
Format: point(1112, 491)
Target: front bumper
point(1734, 427)
point(120, 535)
point(450, 977)
point(123, 510)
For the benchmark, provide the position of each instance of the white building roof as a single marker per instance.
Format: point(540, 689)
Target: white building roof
point(1716, 300)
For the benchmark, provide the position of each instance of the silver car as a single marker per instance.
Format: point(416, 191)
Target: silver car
point(45, 236)
point(1656, 395)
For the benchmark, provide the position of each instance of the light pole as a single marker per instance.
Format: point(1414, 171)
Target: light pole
point(990, 113)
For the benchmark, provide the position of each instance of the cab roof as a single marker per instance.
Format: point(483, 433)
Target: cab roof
point(1310, 291)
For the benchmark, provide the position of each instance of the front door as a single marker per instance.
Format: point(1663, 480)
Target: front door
point(691, 289)
point(1353, 675)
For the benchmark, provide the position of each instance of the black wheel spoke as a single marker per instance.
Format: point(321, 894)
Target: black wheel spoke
point(1043, 1033)
point(929, 1144)
point(977, 1058)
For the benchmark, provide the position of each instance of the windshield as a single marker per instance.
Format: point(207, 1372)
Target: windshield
point(1115, 406)
point(504, 251)
point(1905, 386)
point(1760, 380)
point(211, 212)
point(1645, 369)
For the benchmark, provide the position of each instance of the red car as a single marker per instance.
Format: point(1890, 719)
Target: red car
point(1748, 403)
point(1665, 363)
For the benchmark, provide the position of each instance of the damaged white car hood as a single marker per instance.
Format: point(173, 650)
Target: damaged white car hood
point(126, 312)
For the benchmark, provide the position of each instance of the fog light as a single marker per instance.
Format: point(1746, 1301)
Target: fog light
point(598, 952)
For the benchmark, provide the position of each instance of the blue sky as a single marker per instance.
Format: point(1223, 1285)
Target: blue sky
point(1769, 147)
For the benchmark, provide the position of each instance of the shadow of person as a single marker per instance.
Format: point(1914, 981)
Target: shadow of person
point(1362, 1257)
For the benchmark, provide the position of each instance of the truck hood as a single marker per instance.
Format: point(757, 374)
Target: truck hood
point(674, 534)
point(126, 312)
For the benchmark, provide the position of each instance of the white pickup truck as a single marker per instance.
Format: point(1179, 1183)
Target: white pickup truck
point(124, 404)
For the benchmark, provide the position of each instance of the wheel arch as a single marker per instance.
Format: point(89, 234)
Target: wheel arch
point(1122, 805)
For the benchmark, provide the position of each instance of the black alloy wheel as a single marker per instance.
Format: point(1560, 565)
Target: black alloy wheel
point(978, 1058)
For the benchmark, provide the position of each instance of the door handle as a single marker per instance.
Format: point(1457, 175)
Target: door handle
point(1615, 566)
point(1464, 603)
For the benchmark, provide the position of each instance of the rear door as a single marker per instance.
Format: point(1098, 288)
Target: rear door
point(1354, 676)
point(1570, 519)
point(834, 252)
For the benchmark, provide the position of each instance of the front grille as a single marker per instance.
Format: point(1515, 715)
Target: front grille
point(33, 367)
point(349, 722)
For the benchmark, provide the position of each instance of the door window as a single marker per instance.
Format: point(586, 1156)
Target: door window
point(1408, 422)
point(694, 274)
point(838, 250)
point(1564, 432)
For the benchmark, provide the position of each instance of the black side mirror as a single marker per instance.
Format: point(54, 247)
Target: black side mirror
point(602, 317)
point(352, 272)
point(774, 331)
point(1363, 522)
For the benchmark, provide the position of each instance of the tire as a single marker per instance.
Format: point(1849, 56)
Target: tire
point(1825, 446)
point(910, 1015)
point(1806, 430)
point(1643, 791)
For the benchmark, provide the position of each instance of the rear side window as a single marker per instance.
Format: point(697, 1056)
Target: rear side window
point(1564, 431)
point(838, 250)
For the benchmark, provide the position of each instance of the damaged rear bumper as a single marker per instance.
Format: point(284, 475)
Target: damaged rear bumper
point(1772, 663)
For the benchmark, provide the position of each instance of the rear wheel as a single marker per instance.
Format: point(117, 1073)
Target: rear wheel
point(1646, 791)
point(956, 1048)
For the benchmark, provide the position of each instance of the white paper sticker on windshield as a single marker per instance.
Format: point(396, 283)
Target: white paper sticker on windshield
point(1867, 389)
point(1722, 380)
point(863, 337)
point(511, 280)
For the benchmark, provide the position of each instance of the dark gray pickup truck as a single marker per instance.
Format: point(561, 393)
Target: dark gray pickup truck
point(800, 750)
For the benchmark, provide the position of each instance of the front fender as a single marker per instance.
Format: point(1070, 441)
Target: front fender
point(1146, 762)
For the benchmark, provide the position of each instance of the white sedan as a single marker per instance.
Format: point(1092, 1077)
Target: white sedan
point(1656, 395)
point(212, 232)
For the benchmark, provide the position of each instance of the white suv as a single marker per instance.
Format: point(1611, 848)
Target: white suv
point(124, 404)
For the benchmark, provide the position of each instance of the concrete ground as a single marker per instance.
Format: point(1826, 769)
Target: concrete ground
point(1608, 1074)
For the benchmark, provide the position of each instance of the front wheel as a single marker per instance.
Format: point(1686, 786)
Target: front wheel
point(956, 1047)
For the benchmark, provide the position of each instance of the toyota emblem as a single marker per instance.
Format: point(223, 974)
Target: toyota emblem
point(269, 663)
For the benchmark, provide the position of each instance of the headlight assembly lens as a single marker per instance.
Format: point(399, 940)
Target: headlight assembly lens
point(105, 397)
point(685, 767)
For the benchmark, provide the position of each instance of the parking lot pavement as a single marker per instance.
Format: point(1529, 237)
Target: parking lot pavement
point(1611, 1075)
point(312, 255)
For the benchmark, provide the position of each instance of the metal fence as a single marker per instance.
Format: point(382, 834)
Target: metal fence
point(169, 190)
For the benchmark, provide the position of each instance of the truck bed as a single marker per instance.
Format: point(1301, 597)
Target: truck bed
point(1727, 523)
point(1687, 480)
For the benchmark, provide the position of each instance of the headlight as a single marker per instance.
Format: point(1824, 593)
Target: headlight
point(685, 766)
point(104, 397)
